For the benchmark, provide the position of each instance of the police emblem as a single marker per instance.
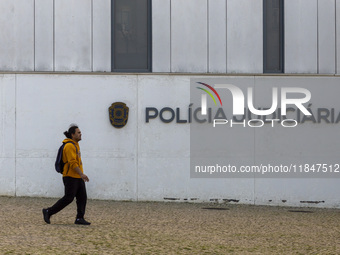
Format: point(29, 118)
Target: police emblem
point(118, 114)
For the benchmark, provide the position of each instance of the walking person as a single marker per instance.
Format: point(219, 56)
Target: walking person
point(73, 177)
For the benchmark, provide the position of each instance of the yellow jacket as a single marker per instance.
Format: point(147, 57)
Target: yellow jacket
point(72, 159)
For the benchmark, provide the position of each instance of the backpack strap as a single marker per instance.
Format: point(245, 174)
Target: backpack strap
point(76, 152)
point(74, 146)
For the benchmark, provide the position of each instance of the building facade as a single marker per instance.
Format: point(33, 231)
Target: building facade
point(67, 61)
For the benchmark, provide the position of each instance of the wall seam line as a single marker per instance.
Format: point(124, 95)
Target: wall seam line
point(34, 35)
point(208, 38)
point(254, 162)
point(92, 62)
point(138, 143)
point(15, 136)
point(336, 41)
point(170, 37)
point(53, 65)
point(317, 38)
point(226, 36)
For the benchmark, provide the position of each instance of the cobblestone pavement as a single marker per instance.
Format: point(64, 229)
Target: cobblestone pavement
point(167, 228)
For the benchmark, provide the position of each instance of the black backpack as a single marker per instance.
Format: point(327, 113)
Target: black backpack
point(59, 163)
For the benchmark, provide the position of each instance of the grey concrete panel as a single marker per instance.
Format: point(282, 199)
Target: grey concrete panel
point(172, 181)
point(326, 36)
point(337, 34)
point(296, 192)
point(154, 133)
point(150, 161)
point(305, 139)
point(115, 154)
point(101, 35)
point(217, 41)
point(308, 143)
point(302, 143)
point(44, 35)
point(73, 33)
point(221, 145)
point(161, 36)
point(301, 36)
point(7, 116)
point(169, 163)
point(17, 35)
point(7, 135)
point(189, 51)
point(244, 36)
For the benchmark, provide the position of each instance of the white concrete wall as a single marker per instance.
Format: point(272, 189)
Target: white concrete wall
point(161, 36)
point(44, 35)
point(47, 35)
point(194, 36)
point(326, 37)
point(309, 143)
point(189, 52)
point(17, 35)
point(244, 36)
point(73, 28)
point(217, 37)
point(101, 36)
point(301, 36)
point(337, 35)
point(151, 161)
point(7, 135)
point(311, 36)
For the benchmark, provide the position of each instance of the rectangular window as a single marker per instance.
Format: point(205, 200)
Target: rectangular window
point(273, 36)
point(131, 35)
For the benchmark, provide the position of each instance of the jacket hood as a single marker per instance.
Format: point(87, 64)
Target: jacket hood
point(69, 140)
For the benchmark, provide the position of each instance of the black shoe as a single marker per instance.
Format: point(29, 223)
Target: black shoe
point(82, 221)
point(46, 216)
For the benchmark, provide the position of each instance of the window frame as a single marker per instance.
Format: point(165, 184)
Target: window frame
point(149, 41)
point(281, 39)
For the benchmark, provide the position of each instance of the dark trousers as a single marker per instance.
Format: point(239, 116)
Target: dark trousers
point(74, 188)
